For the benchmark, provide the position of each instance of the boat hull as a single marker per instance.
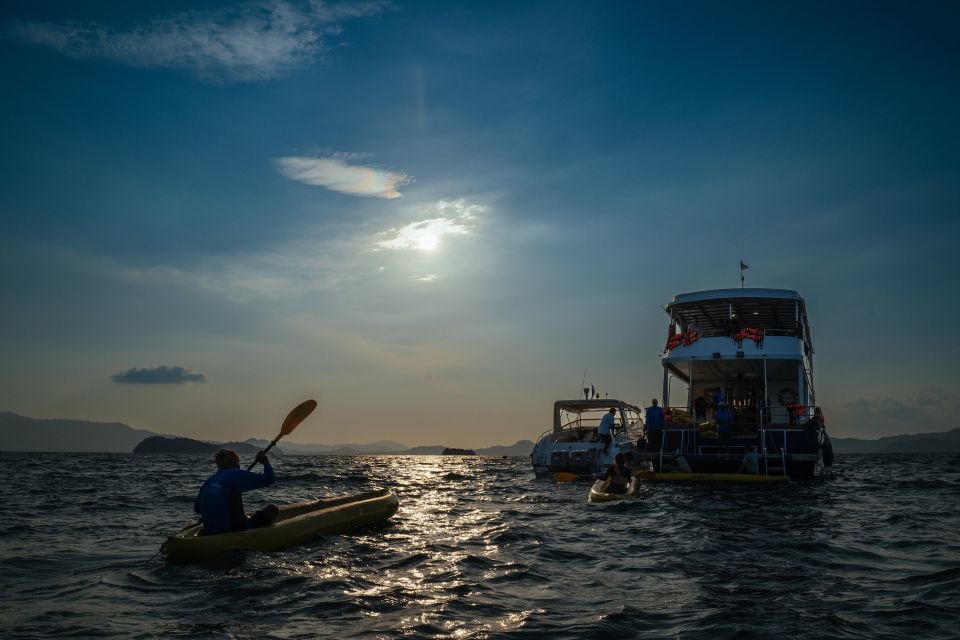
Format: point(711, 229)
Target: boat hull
point(652, 476)
point(295, 524)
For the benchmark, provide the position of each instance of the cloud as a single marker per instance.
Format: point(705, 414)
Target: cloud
point(336, 174)
point(457, 218)
point(876, 417)
point(164, 374)
point(248, 43)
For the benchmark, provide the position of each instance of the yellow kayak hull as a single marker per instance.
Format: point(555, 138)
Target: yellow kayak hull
point(295, 524)
point(707, 477)
point(597, 493)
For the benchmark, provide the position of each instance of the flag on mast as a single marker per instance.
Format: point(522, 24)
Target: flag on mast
point(742, 267)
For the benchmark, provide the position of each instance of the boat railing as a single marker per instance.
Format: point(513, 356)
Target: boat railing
point(725, 332)
point(787, 415)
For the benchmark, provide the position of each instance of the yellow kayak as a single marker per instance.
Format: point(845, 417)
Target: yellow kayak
point(598, 492)
point(295, 524)
point(707, 477)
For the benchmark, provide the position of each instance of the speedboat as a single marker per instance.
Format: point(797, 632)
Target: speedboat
point(752, 350)
point(572, 446)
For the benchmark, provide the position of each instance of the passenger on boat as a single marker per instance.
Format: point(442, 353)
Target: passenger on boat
point(605, 430)
point(219, 501)
point(618, 475)
point(699, 409)
point(724, 420)
point(719, 396)
point(653, 419)
point(681, 465)
point(711, 403)
point(813, 427)
point(751, 462)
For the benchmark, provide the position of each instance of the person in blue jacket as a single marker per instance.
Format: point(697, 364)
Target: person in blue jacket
point(219, 501)
point(724, 421)
point(654, 422)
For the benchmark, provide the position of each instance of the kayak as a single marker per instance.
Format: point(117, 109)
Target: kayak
point(295, 524)
point(707, 477)
point(597, 493)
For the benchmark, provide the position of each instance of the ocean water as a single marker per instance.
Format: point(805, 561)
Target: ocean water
point(480, 549)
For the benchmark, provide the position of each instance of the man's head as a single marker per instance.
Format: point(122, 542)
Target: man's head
point(654, 402)
point(227, 459)
point(613, 411)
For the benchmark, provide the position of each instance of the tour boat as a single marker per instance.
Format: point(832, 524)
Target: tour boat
point(572, 446)
point(753, 349)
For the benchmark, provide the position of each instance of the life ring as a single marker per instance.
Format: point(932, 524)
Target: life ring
point(787, 396)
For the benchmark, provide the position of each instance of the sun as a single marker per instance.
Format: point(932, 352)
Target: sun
point(427, 242)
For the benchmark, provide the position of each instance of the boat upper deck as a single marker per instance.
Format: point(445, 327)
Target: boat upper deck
point(773, 322)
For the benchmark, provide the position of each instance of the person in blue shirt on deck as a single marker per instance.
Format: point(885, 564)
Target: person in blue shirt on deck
point(653, 420)
point(219, 501)
point(724, 420)
point(605, 430)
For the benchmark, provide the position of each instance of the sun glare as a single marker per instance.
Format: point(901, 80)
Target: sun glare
point(427, 242)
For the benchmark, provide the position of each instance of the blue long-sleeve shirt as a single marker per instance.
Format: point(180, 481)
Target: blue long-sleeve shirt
point(219, 503)
point(654, 418)
point(606, 424)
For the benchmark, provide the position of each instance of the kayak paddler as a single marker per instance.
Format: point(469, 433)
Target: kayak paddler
point(219, 501)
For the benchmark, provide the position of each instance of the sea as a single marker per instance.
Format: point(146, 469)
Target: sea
point(481, 549)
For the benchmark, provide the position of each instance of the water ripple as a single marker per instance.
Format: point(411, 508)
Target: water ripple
point(479, 549)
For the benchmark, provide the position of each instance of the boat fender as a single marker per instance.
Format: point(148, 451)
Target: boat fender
point(827, 451)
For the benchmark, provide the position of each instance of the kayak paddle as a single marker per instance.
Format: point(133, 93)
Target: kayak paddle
point(291, 422)
point(563, 476)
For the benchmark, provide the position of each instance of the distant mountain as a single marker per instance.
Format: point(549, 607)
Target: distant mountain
point(389, 447)
point(941, 442)
point(20, 433)
point(382, 446)
point(429, 450)
point(522, 448)
point(160, 444)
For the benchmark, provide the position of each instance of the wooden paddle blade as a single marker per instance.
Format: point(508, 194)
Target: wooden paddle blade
point(298, 415)
point(563, 476)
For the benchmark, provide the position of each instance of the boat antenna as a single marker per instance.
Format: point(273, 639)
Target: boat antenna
point(584, 382)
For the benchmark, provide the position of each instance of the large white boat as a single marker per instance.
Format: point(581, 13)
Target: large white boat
point(753, 350)
point(573, 446)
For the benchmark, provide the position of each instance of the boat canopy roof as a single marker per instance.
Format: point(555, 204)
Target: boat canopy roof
point(723, 294)
point(588, 406)
point(777, 311)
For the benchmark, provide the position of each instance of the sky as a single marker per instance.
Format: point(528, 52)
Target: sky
point(438, 218)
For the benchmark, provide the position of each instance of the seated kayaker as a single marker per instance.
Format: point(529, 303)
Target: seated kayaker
point(219, 502)
point(618, 475)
